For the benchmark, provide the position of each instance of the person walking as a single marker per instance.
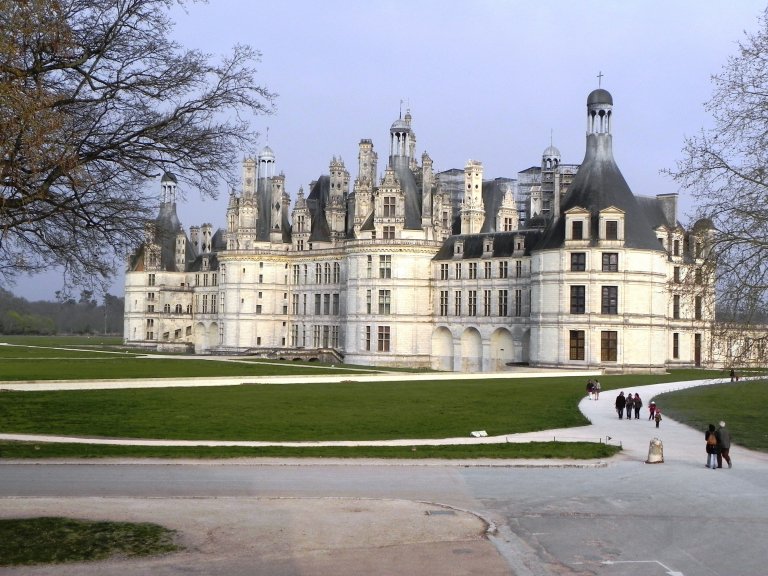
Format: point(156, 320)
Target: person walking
point(590, 388)
point(724, 442)
point(711, 444)
point(629, 405)
point(596, 389)
point(638, 404)
point(621, 402)
point(657, 416)
point(651, 410)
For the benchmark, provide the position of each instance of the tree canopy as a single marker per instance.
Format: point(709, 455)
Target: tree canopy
point(725, 168)
point(96, 98)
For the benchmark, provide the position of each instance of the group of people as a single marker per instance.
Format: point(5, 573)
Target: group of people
point(593, 389)
point(718, 444)
point(629, 404)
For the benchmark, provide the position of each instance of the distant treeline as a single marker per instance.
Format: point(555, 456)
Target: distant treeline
point(64, 316)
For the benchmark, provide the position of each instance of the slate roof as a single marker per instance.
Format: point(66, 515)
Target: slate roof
point(503, 245)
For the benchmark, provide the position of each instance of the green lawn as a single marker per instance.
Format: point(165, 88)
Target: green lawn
point(740, 404)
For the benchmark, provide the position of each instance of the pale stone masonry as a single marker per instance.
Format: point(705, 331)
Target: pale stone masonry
point(403, 271)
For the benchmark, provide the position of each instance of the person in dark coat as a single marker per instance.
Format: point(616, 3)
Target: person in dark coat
point(724, 442)
point(638, 405)
point(621, 402)
point(630, 404)
point(711, 444)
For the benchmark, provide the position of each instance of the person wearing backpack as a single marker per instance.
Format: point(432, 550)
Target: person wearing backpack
point(711, 439)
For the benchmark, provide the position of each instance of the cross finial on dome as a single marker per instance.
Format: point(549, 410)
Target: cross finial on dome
point(599, 78)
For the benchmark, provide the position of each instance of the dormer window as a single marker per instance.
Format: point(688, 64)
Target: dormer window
point(611, 230)
point(488, 247)
point(612, 225)
point(458, 248)
point(577, 230)
point(577, 225)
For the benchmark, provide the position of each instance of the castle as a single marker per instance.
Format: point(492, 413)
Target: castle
point(408, 270)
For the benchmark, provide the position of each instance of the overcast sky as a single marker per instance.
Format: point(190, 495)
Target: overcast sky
point(488, 80)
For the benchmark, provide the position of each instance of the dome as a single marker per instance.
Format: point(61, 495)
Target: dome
point(399, 125)
point(598, 97)
point(551, 152)
point(169, 177)
point(703, 224)
point(266, 152)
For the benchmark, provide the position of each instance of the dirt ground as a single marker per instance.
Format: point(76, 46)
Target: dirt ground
point(282, 536)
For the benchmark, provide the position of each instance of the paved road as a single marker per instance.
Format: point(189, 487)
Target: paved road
point(297, 517)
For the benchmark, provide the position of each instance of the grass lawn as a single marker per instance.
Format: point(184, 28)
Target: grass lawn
point(740, 404)
point(27, 541)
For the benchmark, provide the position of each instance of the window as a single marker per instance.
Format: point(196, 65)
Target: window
point(443, 271)
point(676, 248)
point(608, 346)
point(486, 302)
point(676, 306)
point(383, 345)
point(457, 303)
point(675, 345)
point(326, 304)
point(367, 301)
point(518, 302)
point(458, 271)
point(697, 308)
point(389, 207)
point(578, 261)
point(577, 230)
point(518, 268)
point(385, 266)
point(611, 230)
point(473, 270)
point(698, 277)
point(370, 267)
point(443, 302)
point(503, 269)
point(508, 224)
point(318, 273)
point(294, 303)
point(503, 303)
point(609, 300)
point(576, 345)
point(296, 273)
point(151, 279)
point(336, 304)
point(472, 303)
point(318, 300)
point(388, 233)
point(610, 262)
point(487, 270)
point(205, 303)
point(327, 276)
point(578, 299)
point(367, 338)
point(167, 308)
point(336, 272)
point(385, 298)
point(676, 274)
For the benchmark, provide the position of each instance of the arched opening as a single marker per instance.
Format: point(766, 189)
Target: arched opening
point(471, 351)
point(442, 349)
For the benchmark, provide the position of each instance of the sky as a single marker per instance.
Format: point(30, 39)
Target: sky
point(487, 80)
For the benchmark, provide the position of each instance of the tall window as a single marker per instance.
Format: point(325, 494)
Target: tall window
point(151, 279)
point(676, 274)
point(576, 345)
point(609, 346)
point(383, 345)
point(611, 230)
point(385, 266)
point(318, 304)
point(296, 273)
point(676, 306)
point(487, 270)
point(578, 261)
point(336, 304)
point(443, 302)
point(327, 276)
point(367, 338)
point(389, 207)
point(577, 230)
point(294, 303)
point(503, 269)
point(385, 298)
point(697, 307)
point(610, 262)
point(518, 268)
point(367, 301)
point(675, 345)
point(503, 302)
point(518, 302)
point(457, 303)
point(472, 303)
point(473, 270)
point(443, 271)
point(326, 304)
point(458, 271)
point(609, 303)
point(336, 272)
point(578, 299)
point(369, 267)
point(318, 273)
point(486, 302)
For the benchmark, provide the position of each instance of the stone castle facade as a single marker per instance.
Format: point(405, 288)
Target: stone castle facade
point(403, 270)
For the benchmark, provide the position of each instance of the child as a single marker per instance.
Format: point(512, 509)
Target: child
point(651, 410)
point(657, 417)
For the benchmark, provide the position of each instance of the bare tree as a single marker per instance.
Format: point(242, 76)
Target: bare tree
point(725, 168)
point(95, 99)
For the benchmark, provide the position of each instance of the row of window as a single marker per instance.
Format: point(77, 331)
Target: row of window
point(473, 269)
point(323, 273)
point(324, 304)
point(322, 336)
point(609, 299)
point(609, 345)
point(482, 304)
point(610, 261)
